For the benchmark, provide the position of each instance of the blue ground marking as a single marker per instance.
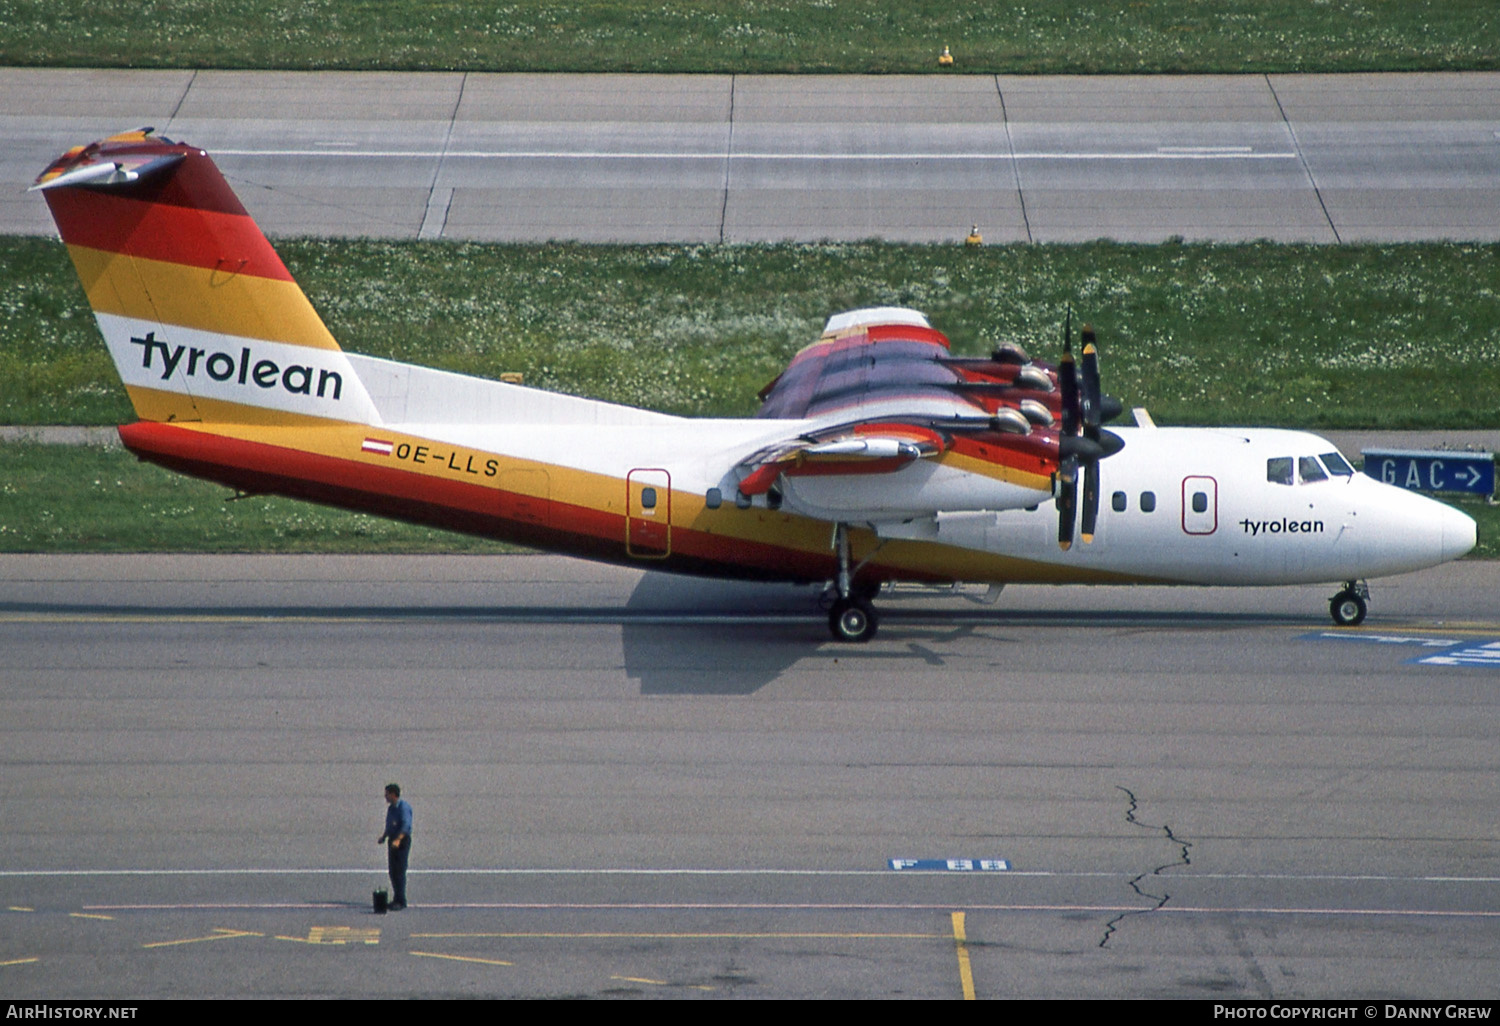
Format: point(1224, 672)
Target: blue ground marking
point(951, 865)
point(1452, 651)
point(1487, 654)
point(1380, 639)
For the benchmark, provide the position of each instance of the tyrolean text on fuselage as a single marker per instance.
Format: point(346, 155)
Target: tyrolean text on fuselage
point(1283, 526)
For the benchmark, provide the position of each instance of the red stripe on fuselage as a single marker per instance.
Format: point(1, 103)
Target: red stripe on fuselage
point(488, 512)
point(115, 221)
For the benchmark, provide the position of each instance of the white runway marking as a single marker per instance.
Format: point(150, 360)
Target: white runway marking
point(1034, 873)
point(1162, 153)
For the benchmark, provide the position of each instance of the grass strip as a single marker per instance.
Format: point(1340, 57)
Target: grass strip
point(89, 498)
point(1358, 336)
point(759, 36)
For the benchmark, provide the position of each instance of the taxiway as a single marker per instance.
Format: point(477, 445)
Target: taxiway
point(632, 784)
point(743, 158)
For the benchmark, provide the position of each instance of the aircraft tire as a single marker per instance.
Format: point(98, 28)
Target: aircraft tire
point(1347, 609)
point(851, 621)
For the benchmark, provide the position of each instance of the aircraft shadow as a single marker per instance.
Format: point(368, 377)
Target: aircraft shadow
point(734, 638)
point(767, 628)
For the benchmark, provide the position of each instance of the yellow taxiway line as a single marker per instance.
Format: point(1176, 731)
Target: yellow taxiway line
point(961, 942)
point(461, 958)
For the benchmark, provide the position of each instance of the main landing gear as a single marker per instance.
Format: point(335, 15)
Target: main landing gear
point(852, 617)
point(1349, 606)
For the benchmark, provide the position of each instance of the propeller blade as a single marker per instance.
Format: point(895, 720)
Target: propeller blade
point(1067, 378)
point(1067, 502)
point(1091, 399)
point(1090, 500)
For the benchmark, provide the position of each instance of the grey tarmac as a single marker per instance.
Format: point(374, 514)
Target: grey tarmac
point(627, 784)
point(747, 158)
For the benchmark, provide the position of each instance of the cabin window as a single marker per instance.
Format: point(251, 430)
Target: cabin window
point(1337, 465)
point(741, 500)
point(1200, 502)
point(1310, 470)
point(1118, 502)
point(713, 498)
point(648, 498)
point(1148, 502)
point(1279, 470)
point(773, 498)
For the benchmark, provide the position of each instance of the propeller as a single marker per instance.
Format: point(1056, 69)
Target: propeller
point(1082, 441)
point(1067, 466)
point(1090, 400)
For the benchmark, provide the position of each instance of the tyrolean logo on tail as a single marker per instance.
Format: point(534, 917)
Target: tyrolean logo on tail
point(296, 378)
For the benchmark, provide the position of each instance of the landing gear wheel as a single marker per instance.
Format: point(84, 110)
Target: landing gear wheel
point(852, 621)
point(1347, 609)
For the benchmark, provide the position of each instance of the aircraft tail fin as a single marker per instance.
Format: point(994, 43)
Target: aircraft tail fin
point(202, 318)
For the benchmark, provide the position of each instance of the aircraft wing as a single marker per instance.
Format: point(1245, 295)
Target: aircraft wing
point(881, 394)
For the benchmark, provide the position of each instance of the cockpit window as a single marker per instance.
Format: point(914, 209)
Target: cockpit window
point(1310, 470)
point(1279, 470)
point(1337, 465)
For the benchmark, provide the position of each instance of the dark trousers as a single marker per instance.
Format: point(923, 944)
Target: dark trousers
point(396, 859)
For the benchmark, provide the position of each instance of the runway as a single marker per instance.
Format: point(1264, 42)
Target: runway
point(717, 158)
point(631, 785)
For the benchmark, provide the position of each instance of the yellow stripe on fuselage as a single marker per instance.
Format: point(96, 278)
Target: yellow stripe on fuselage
point(581, 489)
point(996, 471)
point(199, 297)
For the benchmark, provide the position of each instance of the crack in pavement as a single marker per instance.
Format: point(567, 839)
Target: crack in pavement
point(1135, 884)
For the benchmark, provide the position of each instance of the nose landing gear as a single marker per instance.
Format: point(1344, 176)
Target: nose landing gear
point(1349, 606)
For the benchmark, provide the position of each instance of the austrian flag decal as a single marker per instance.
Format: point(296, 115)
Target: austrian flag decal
point(378, 446)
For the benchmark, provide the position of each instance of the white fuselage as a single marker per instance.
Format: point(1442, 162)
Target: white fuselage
point(1197, 506)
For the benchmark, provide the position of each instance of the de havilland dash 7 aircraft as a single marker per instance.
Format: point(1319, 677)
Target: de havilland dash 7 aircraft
point(877, 456)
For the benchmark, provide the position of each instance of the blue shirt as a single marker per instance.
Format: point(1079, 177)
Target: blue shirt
point(398, 819)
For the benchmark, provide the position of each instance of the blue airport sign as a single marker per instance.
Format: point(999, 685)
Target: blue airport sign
point(1433, 470)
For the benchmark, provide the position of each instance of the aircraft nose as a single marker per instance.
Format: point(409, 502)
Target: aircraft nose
point(1459, 533)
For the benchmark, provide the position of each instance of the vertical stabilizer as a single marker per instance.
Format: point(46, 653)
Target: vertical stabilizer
point(200, 315)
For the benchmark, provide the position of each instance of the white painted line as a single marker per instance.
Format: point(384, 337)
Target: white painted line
point(563, 906)
point(1164, 153)
point(882, 872)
